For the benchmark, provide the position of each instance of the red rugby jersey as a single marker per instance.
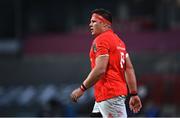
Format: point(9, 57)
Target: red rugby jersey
point(113, 83)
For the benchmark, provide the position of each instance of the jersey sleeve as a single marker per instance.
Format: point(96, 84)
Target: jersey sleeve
point(102, 46)
point(125, 52)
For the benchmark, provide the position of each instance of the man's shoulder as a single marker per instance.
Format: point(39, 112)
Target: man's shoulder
point(104, 37)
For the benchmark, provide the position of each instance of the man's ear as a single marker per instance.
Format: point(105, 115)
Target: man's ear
point(106, 25)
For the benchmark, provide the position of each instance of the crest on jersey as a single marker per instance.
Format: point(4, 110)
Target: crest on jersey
point(94, 48)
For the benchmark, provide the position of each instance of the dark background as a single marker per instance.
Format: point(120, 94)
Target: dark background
point(44, 54)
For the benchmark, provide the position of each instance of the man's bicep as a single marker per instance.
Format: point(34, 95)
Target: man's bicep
point(102, 61)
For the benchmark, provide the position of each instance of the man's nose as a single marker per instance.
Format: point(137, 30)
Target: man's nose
point(90, 24)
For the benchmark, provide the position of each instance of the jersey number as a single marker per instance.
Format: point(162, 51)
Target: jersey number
point(122, 59)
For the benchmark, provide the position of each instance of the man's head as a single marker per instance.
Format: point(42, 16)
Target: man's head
point(101, 20)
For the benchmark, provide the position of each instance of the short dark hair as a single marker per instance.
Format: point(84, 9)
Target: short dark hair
point(104, 13)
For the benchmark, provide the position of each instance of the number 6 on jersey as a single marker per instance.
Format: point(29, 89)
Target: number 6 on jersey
point(122, 59)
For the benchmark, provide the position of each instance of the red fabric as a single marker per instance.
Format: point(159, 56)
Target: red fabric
point(101, 18)
point(113, 83)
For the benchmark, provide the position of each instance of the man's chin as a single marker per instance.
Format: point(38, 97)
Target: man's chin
point(92, 33)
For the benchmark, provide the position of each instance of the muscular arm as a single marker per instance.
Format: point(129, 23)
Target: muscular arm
point(130, 76)
point(134, 102)
point(93, 77)
point(98, 71)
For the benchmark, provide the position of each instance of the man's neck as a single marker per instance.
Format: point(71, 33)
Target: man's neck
point(106, 29)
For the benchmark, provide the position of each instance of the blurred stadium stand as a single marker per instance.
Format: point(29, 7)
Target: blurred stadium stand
point(44, 48)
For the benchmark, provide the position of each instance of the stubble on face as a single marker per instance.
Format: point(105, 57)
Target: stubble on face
point(95, 26)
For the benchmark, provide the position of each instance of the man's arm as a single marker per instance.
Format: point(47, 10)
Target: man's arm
point(98, 71)
point(130, 76)
point(134, 102)
point(95, 74)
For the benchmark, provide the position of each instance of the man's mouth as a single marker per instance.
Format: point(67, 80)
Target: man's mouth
point(91, 29)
